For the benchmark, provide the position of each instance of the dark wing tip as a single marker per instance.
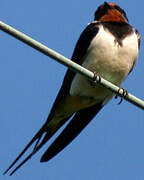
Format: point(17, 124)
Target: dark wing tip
point(54, 149)
point(43, 159)
point(75, 126)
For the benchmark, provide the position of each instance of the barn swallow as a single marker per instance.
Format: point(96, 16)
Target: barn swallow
point(108, 46)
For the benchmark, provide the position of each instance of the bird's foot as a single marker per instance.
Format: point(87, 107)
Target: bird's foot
point(96, 79)
point(123, 95)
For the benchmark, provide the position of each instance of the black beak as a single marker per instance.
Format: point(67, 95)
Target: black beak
point(106, 5)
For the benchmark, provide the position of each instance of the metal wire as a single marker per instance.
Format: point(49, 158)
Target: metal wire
point(70, 64)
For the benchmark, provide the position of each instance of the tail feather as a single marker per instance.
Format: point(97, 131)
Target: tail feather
point(36, 137)
point(37, 145)
point(36, 148)
point(75, 126)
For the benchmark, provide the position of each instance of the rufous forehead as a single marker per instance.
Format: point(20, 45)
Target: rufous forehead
point(112, 4)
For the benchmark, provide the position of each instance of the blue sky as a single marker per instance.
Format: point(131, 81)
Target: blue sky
point(112, 145)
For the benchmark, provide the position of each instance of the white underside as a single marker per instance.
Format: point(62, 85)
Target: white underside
point(106, 57)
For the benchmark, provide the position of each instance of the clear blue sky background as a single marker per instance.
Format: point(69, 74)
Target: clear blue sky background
point(112, 145)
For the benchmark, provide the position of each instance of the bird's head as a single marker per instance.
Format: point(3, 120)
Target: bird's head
point(110, 12)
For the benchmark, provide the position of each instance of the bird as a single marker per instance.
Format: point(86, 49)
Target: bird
point(109, 46)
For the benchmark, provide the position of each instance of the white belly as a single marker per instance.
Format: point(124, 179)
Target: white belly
point(106, 57)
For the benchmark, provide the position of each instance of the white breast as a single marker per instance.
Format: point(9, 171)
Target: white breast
point(106, 57)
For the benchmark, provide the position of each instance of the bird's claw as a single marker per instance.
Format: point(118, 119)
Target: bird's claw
point(96, 77)
point(123, 95)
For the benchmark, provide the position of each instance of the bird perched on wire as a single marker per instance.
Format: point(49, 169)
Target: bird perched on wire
point(108, 46)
